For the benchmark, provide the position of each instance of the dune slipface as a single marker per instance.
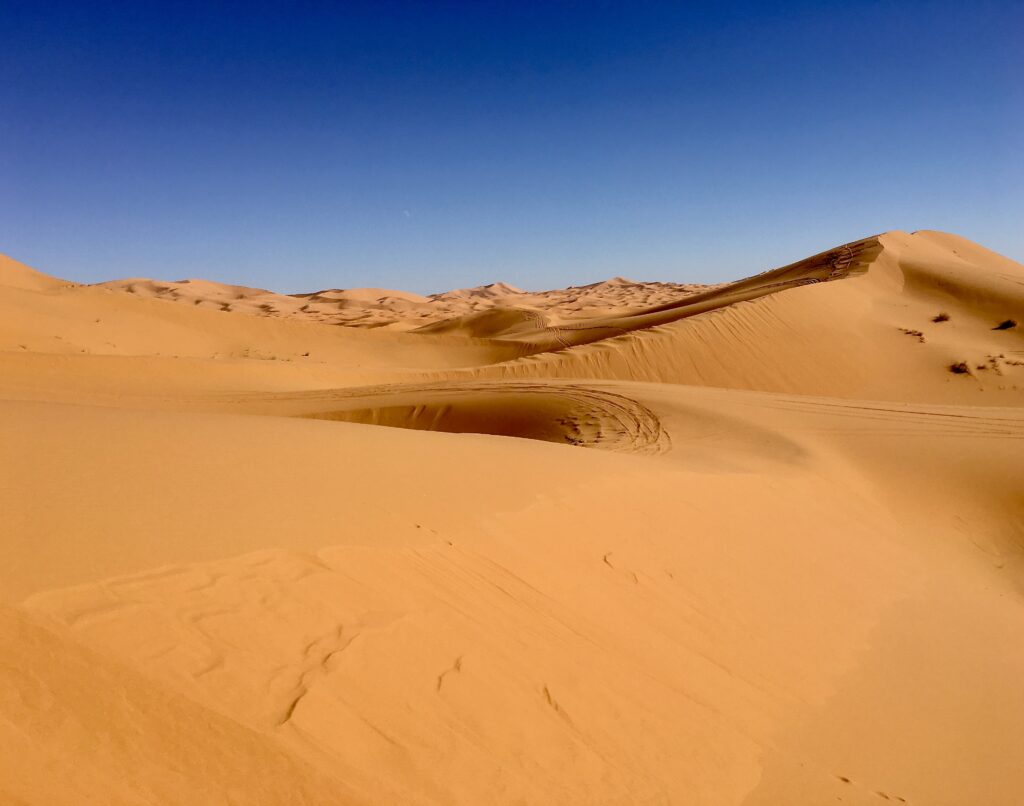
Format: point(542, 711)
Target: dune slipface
point(755, 543)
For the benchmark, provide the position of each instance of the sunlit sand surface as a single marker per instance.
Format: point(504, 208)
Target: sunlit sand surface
point(627, 543)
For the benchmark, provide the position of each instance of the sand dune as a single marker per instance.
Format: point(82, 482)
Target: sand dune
point(873, 335)
point(379, 308)
point(17, 275)
point(625, 543)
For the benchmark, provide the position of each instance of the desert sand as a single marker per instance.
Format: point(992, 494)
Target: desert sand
point(626, 543)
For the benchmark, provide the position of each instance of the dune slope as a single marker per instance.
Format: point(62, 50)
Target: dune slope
point(872, 335)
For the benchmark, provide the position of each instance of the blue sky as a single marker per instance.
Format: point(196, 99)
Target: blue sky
point(432, 145)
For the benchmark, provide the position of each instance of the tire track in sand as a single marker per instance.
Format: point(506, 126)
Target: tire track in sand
point(584, 416)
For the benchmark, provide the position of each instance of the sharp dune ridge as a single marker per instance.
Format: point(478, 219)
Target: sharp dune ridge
point(753, 543)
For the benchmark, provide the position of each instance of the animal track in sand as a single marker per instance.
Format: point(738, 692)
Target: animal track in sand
point(317, 657)
point(878, 793)
point(558, 709)
point(455, 668)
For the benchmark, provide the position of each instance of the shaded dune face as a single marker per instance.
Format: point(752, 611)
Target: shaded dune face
point(564, 414)
point(836, 264)
point(497, 322)
point(542, 336)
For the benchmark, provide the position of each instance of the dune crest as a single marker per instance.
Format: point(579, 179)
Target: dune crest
point(911, 308)
point(17, 275)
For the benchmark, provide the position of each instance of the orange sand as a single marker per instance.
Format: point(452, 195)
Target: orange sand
point(629, 543)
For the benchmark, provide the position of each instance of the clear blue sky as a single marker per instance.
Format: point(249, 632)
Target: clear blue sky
point(429, 145)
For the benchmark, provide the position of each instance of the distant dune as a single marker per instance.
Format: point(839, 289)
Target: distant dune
point(755, 543)
point(401, 310)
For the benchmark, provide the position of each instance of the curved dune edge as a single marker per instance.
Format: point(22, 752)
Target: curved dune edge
point(560, 413)
point(534, 330)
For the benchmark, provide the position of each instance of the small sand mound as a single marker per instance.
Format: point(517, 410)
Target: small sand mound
point(489, 324)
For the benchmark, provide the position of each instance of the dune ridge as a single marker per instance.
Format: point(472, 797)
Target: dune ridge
point(379, 308)
point(873, 335)
point(745, 544)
